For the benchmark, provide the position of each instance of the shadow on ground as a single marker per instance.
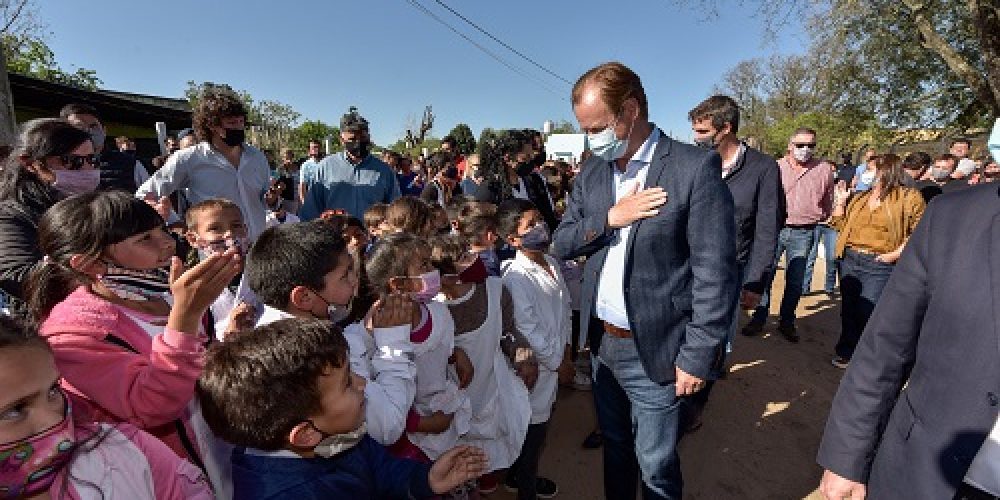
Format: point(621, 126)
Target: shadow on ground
point(761, 429)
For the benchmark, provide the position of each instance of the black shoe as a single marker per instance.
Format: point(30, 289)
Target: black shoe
point(594, 440)
point(544, 487)
point(510, 482)
point(788, 331)
point(752, 329)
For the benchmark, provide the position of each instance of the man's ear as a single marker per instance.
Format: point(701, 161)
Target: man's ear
point(301, 298)
point(87, 264)
point(304, 435)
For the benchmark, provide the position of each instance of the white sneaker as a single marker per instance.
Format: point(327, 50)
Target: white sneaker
point(581, 381)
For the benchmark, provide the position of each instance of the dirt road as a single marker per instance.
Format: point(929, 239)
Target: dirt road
point(761, 428)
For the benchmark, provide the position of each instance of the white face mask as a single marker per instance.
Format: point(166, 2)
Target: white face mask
point(335, 444)
point(802, 155)
point(868, 177)
point(606, 145)
point(337, 313)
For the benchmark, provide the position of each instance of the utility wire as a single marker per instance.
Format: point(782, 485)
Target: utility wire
point(501, 42)
point(488, 52)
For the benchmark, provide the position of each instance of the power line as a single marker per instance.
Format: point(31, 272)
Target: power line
point(501, 42)
point(488, 52)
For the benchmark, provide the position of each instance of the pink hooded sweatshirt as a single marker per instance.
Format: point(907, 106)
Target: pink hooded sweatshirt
point(124, 462)
point(150, 390)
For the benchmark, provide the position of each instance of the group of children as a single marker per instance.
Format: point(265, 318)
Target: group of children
point(393, 358)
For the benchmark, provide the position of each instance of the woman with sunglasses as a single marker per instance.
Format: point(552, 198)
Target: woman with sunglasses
point(53, 160)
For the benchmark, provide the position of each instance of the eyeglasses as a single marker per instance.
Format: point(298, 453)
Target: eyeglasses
point(800, 145)
point(75, 162)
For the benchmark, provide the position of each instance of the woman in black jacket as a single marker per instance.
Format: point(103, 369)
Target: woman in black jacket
point(53, 160)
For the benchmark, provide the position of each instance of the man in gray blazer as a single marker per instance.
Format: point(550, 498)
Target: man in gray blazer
point(656, 223)
point(916, 412)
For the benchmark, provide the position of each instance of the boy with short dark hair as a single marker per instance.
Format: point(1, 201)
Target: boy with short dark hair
point(304, 270)
point(285, 393)
point(214, 226)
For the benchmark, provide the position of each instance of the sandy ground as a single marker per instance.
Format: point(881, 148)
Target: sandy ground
point(761, 428)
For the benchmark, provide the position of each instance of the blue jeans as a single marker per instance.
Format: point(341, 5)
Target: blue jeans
point(828, 236)
point(796, 244)
point(861, 282)
point(640, 421)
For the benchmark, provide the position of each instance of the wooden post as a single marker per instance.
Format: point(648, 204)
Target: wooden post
point(8, 123)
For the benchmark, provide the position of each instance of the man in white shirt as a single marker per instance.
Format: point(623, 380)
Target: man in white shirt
point(222, 165)
point(655, 221)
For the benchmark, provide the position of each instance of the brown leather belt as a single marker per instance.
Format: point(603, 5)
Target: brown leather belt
point(616, 331)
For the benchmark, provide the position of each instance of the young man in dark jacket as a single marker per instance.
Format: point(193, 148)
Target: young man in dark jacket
point(754, 180)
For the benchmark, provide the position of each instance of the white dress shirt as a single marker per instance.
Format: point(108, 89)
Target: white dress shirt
point(203, 173)
point(610, 303)
point(984, 472)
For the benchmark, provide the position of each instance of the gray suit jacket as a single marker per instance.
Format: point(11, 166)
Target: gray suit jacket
point(680, 269)
point(936, 328)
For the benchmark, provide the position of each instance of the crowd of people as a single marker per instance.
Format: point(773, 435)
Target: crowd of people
point(347, 325)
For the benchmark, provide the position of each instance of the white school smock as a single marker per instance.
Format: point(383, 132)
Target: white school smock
point(542, 314)
point(500, 401)
point(437, 384)
point(227, 301)
point(384, 358)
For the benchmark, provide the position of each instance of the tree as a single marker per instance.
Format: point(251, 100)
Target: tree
point(913, 63)
point(466, 142)
point(270, 122)
point(486, 138)
point(563, 127)
point(26, 52)
point(313, 129)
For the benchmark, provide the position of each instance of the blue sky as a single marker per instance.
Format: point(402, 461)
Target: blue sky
point(390, 60)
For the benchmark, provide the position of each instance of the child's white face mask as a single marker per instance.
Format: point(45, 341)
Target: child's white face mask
point(335, 444)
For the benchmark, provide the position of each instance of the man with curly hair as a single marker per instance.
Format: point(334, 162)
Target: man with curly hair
point(220, 165)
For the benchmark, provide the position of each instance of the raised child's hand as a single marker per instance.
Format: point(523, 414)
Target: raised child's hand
point(196, 289)
point(458, 465)
point(241, 319)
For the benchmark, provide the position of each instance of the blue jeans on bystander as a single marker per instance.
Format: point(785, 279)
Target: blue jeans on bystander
point(795, 243)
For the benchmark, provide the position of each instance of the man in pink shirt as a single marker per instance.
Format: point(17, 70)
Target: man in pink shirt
point(809, 201)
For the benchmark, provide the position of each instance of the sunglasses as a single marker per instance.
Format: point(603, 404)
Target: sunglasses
point(75, 162)
point(801, 145)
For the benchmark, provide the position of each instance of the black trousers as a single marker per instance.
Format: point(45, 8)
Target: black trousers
point(525, 468)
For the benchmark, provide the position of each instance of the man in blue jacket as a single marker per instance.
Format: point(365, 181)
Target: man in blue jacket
point(655, 221)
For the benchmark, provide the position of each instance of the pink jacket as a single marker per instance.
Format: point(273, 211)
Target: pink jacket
point(124, 462)
point(150, 390)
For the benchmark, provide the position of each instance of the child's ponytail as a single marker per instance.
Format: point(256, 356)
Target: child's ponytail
point(83, 225)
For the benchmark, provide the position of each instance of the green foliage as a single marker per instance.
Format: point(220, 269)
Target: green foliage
point(313, 129)
point(563, 127)
point(835, 133)
point(486, 139)
point(463, 136)
point(30, 56)
point(270, 122)
point(431, 143)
